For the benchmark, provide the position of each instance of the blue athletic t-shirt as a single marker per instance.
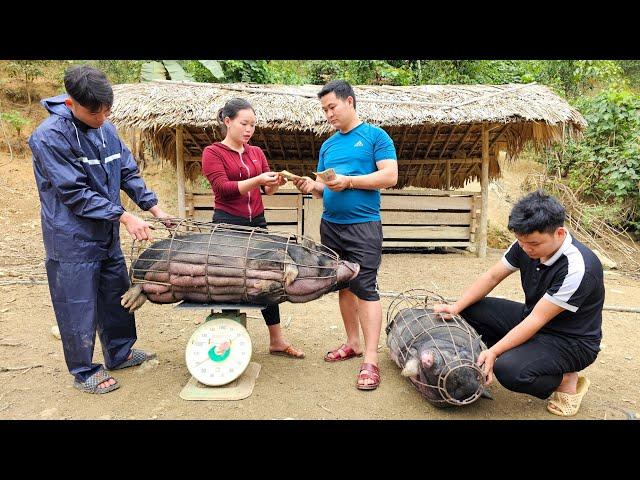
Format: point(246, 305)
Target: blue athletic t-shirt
point(354, 153)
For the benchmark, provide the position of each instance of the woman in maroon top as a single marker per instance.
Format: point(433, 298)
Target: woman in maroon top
point(238, 172)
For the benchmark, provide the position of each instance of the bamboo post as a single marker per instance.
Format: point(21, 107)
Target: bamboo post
point(484, 187)
point(182, 212)
point(449, 174)
point(299, 206)
point(134, 148)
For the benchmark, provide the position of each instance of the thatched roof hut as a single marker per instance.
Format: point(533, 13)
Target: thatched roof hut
point(428, 123)
point(437, 129)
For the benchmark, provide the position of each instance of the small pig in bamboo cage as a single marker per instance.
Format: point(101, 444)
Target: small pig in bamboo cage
point(438, 355)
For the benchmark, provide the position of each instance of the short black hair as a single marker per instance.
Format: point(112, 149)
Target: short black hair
point(88, 86)
point(341, 88)
point(536, 212)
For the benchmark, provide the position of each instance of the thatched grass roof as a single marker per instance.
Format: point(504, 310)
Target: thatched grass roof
point(429, 123)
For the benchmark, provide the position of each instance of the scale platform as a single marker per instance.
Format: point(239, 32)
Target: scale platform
point(218, 354)
point(220, 306)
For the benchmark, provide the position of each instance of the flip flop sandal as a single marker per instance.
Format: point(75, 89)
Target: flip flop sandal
point(137, 357)
point(371, 372)
point(568, 404)
point(348, 351)
point(90, 385)
point(290, 352)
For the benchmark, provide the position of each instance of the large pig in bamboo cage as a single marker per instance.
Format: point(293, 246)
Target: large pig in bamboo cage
point(206, 262)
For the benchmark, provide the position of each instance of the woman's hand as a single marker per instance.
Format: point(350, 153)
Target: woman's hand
point(269, 179)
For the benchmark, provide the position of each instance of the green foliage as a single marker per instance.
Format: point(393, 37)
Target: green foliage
point(27, 71)
point(164, 70)
point(631, 72)
point(288, 72)
point(203, 70)
point(251, 71)
point(360, 72)
point(117, 71)
point(175, 71)
point(15, 119)
point(151, 71)
point(211, 71)
point(605, 165)
point(214, 67)
point(199, 72)
point(323, 71)
point(572, 78)
point(120, 71)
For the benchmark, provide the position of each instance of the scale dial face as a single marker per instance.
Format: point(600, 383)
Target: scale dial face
point(218, 352)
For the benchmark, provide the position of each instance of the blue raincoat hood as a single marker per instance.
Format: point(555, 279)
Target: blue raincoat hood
point(56, 106)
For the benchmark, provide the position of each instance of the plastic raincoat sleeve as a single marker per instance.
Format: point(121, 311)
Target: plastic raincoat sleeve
point(70, 182)
point(131, 181)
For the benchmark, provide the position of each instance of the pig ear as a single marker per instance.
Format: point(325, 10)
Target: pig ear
point(486, 393)
point(427, 359)
point(411, 368)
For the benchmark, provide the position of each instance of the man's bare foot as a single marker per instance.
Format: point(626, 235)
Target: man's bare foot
point(107, 383)
point(569, 383)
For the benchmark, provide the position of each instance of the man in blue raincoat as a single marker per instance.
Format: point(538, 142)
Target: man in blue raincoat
point(80, 165)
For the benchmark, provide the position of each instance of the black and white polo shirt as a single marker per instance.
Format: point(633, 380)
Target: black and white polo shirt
point(572, 279)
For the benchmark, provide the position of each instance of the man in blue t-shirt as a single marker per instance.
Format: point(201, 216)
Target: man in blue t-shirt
point(364, 160)
point(539, 347)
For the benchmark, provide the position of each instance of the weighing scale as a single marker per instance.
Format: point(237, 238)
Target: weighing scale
point(218, 354)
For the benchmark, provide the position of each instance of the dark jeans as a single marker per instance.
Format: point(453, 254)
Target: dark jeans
point(535, 367)
point(271, 314)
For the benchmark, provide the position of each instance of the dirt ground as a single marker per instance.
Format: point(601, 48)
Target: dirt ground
point(35, 384)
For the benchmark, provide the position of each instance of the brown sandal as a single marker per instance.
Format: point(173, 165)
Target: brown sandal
point(290, 352)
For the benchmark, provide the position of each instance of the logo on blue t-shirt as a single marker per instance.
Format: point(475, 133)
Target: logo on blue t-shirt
point(358, 144)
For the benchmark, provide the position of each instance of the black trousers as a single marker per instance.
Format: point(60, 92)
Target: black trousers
point(271, 314)
point(535, 367)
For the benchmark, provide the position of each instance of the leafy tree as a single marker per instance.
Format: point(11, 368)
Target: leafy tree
point(28, 71)
point(251, 71)
point(15, 119)
point(605, 165)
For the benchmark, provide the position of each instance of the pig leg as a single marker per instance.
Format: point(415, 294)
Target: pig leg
point(167, 297)
point(290, 271)
point(133, 298)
